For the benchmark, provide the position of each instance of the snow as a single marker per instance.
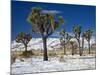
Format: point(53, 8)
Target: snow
point(36, 64)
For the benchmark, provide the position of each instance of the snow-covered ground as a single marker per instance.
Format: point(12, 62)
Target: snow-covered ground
point(36, 64)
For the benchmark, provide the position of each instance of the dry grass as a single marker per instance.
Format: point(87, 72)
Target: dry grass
point(51, 53)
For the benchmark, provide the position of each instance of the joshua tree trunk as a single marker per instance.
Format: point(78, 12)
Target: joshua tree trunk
point(25, 48)
point(45, 49)
point(72, 49)
point(89, 46)
point(64, 49)
point(82, 45)
point(80, 52)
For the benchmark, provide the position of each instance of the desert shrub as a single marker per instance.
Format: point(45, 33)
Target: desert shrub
point(61, 59)
point(52, 54)
point(13, 58)
point(27, 53)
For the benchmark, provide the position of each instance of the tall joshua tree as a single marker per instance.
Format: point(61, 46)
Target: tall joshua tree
point(77, 32)
point(23, 38)
point(44, 24)
point(88, 35)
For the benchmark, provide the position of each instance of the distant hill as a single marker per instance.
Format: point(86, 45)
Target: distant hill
point(36, 43)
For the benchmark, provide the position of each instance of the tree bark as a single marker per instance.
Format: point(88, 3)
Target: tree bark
point(25, 48)
point(64, 49)
point(45, 49)
point(89, 46)
point(80, 52)
point(82, 45)
point(72, 49)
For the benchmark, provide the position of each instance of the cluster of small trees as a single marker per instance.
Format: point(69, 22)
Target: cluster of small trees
point(45, 24)
point(77, 30)
point(85, 35)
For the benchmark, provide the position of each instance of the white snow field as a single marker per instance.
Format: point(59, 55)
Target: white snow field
point(67, 63)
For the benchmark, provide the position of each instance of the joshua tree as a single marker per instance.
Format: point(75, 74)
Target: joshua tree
point(44, 24)
point(88, 35)
point(77, 32)
point(23, 38)
point(64, 39)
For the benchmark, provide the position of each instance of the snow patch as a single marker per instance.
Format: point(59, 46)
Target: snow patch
point(36, 64)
